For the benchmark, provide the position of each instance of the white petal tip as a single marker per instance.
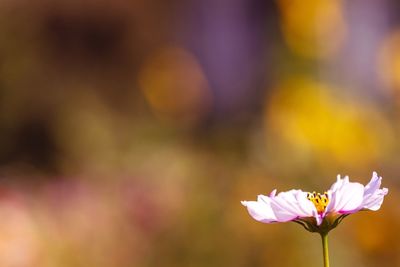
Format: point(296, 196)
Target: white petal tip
point(385, 190)
point(376, 176)
point(273, 193)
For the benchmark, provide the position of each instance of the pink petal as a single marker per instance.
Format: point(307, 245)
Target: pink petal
point(375, 201)
point(318, 217)
point(373, 195)
point(346, 197)
point(273, 193)
point(261, 209)
point(339, 183)
point(306, 206)
point(292, 204)
point(373, 185)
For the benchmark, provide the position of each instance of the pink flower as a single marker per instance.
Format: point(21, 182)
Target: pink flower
point(318, 212)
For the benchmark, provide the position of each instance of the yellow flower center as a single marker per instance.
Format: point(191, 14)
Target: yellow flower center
point(320, 201)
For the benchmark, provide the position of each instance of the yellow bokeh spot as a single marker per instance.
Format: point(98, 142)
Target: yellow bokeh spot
point(306, 114)
point(313, 28)
point(174, 86)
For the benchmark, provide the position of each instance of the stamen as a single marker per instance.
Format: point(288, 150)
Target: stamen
point(320, 201)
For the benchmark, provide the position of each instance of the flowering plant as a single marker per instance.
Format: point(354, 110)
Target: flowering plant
point(317, 212)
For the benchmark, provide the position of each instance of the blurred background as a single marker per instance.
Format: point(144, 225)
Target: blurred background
point(131, 130)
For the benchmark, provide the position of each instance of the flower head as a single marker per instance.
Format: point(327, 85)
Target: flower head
point(319, 212)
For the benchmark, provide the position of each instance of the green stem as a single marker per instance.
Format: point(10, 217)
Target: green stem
point(325, 249)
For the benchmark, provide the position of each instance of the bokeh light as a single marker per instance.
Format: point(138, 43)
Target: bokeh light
point(313, 29)
point(175, 86)
point(327, 124)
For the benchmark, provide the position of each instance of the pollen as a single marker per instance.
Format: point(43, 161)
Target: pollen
point(320, 201)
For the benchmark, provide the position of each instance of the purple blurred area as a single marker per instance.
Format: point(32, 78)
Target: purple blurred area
point(131, 130)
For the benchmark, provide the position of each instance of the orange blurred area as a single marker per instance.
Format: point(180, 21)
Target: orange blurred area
point(313, 29)
point(175, 86)
point(388, 65)
point(131, 130)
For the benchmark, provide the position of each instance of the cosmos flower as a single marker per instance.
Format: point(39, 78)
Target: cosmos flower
point(318, 212)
